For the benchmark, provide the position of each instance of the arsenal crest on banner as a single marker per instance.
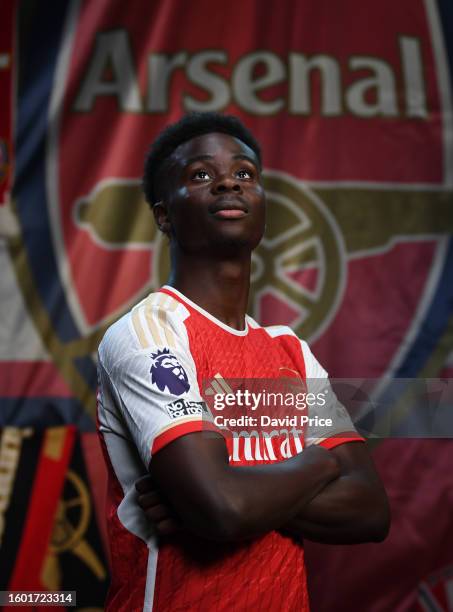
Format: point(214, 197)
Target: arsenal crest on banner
point(353, 107)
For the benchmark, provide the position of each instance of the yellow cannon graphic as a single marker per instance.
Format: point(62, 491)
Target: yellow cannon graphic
point(307, 230)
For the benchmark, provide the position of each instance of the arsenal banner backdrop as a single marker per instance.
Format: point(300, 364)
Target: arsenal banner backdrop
point(352, 103)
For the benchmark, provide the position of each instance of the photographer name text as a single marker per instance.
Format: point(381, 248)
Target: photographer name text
point(298, 420)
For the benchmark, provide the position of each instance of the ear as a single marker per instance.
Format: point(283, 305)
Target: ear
point(161, 216)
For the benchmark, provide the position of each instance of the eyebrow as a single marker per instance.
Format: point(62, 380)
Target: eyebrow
point(196, 158)
point(246, 158)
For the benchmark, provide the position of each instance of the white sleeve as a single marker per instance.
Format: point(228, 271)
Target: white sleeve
point(156, 392)
point(330, 423)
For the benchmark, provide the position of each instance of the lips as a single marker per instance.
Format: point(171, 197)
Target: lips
point(228, 208)
point(230, 213)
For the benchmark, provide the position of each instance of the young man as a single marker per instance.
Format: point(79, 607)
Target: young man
point(243, 517)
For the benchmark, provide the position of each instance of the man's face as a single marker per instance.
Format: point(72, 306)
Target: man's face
point(213, 196)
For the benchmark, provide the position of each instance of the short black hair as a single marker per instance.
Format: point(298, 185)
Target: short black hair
point(188, 127)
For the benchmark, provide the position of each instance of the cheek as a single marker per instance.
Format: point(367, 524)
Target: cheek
point(258, 198)
point(188, 218)
point(182, 193)
point(178, 206)
point(189, 207)
point(258, 195)
point(178, 199)
point(185, 200)
point(260, 215)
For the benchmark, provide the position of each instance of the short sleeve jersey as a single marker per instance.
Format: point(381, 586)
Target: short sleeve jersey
point(153, 366)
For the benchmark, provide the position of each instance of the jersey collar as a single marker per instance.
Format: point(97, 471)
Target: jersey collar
point(185, 300)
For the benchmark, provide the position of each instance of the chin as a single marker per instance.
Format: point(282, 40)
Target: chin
point(233, 243)
point(223, 242)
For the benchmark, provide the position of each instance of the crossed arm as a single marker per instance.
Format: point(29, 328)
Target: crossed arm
point(328, 496)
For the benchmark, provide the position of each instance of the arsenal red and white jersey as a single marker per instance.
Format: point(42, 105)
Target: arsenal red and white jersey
point(153, 363)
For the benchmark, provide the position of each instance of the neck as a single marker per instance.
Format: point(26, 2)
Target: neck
point(219, 285)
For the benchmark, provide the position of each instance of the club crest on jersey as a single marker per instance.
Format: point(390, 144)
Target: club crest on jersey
point(167, 373)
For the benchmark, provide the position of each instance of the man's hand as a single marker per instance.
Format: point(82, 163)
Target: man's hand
point(155, 508)
point(351, 509)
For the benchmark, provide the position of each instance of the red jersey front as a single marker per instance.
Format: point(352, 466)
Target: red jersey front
point(153, 364)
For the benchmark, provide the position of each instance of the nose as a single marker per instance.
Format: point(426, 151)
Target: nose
point(226, 183)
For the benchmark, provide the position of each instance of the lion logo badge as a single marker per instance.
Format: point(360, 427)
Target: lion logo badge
point(167, 373)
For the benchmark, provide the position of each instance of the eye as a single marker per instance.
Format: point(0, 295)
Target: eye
point(201, 175)
point(243, 173)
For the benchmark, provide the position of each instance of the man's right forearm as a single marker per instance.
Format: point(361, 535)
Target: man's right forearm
point(264, 496)
point(221, 502)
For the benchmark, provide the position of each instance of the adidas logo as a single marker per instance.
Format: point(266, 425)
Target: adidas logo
point(218, 385)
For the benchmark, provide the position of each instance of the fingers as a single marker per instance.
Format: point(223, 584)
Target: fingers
point(150, 501)
point(163, 521)
point(145, 484)
point(157, 513)
point(145, 500)
point(167, 527)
